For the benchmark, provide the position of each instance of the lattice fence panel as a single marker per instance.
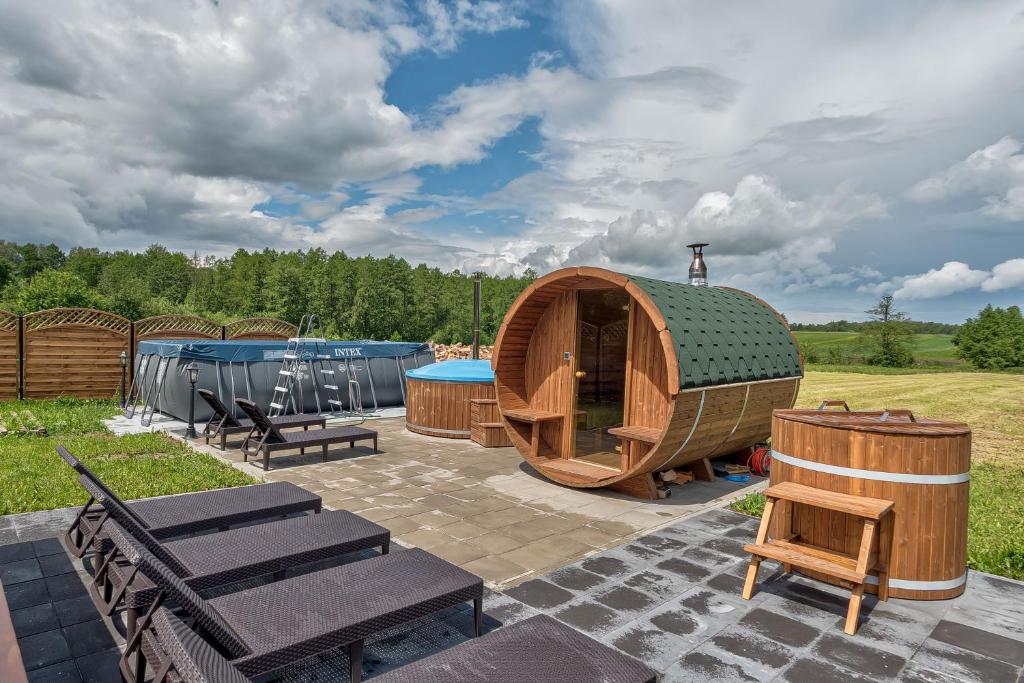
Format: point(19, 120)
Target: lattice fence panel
point(74, 352)
point(8, 355)
point(176, 327)
point(260, 328)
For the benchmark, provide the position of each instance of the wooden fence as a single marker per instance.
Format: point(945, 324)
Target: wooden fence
point(77, 351)
point(259, 328)
point(10, 332)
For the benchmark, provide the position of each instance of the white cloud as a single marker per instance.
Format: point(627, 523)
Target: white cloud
point(121, 124)
point(756, 218)
point(994, 173)
point(953, 276)
point(1006, 275)
point(986, 171)
point(124, 122)
point(449, 22)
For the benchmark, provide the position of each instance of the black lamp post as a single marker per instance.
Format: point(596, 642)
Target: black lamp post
point(193, 376)
point(124, 373)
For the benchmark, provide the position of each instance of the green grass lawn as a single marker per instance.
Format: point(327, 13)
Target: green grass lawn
point(992, 405)
point(935, 349)
point(33, 477)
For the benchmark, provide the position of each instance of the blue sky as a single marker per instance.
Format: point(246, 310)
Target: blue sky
point(864, 149)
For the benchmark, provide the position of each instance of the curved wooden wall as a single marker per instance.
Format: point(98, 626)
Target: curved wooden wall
point(531, 374)
point(8, 355)
point(442, 408)
point(175, 327)
point(929, 536)
point(270, 329)
point(73, 352)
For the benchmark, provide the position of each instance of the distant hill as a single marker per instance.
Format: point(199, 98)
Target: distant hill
point(916, 326)
point(843, 347)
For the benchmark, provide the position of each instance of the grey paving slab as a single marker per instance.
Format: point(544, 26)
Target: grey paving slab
point(669, 596)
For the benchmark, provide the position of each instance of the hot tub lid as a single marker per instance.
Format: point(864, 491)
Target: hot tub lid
point(454, 371)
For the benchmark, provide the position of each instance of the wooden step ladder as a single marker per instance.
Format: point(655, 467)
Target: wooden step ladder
point(849, 570)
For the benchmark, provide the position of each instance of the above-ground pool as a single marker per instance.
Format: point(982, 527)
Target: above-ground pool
point(439, 395)
point(249, 369)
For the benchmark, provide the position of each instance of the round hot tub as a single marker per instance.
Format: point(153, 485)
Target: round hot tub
point(921, 465)
point(438, 396)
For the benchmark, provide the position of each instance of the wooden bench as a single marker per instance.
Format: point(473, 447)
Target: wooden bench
point(644, 435)
point(848, 570)
point(535, 418)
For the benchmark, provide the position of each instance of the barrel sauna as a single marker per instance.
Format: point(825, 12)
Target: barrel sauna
point(921, 465)
point(438, 395)
point(604, 379)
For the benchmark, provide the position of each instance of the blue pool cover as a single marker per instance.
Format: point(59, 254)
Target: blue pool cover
point(454, 371)
point(247, 351)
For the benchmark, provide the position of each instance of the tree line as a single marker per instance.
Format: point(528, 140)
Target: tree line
point(994, 340)
point(357, 298)
point(913, 326)
point(382, 298)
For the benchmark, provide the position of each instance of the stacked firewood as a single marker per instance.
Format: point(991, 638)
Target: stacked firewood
point(455, 351)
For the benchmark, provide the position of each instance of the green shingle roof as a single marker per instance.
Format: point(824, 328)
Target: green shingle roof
point(721, 335)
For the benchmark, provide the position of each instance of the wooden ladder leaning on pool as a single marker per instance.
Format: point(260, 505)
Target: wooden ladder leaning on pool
point(849, 571)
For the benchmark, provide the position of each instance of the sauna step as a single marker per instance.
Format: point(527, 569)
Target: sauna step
point(577, 469)
point(860, 506)
point(810, 557)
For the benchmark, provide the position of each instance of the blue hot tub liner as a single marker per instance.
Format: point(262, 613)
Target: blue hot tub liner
point(454, 371)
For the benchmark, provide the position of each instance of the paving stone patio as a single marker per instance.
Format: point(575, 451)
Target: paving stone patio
point(669, 598)
point(483, 509)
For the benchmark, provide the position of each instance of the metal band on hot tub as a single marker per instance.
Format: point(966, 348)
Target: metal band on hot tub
point(907, 584)
point(898, 477)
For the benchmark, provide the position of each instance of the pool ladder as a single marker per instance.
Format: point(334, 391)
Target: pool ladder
point(307, 352)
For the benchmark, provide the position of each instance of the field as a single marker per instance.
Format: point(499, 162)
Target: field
point(33, 477)
point(935, 349)
point(992, 404)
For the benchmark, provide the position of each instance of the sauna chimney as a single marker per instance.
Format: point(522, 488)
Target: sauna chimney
point(698, 269)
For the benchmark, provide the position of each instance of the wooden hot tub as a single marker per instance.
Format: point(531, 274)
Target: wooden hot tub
point(922, 465)
point(438, 395)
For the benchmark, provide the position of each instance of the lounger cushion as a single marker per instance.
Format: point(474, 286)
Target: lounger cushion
point(322, 436)
point(337, 606)
point(187, 513)
point(538, 649)
point(285, 422)
point(238, 554)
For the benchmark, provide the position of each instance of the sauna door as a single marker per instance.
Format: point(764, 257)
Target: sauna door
point(600, 379)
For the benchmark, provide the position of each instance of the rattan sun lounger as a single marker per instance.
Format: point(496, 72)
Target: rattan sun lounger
point(225, 557)
point(539, 650)
point(224, 424)
point(187, 513)
point(268, 438)
point(265, 629)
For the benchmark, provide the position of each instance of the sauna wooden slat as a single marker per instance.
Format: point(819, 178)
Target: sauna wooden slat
point(443, 409)
point(928, 538)
point(532, 374)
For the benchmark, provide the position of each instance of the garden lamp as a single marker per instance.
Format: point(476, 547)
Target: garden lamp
point(192, 371)
point(124, 374)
